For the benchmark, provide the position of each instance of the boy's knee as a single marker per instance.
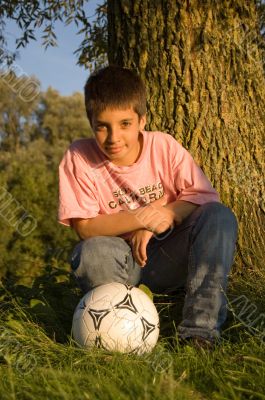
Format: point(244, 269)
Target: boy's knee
point(103, 247)
point(105, 259)
point(220, 214)
point(95, 246)
point(91, 250)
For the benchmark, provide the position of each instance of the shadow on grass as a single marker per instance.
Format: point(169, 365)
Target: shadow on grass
point(169, 308)
point(50, 301)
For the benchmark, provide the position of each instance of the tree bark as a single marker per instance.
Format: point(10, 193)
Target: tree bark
point(202, 63)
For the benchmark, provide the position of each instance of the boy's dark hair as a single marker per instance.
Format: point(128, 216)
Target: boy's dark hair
point(114, 87)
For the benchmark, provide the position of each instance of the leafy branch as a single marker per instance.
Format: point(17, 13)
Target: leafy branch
point(30, 15)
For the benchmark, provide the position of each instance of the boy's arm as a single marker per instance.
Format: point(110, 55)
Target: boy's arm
point(128, 221)
point(182, 209)
point(118, 223)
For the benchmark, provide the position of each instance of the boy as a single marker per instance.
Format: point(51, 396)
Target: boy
point(143, 209)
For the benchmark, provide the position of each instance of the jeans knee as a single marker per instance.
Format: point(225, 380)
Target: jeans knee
point(220, 214)
point(101, 246)
point(105, 259)
point(92, 249)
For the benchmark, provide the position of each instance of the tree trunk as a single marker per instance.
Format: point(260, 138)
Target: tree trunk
point(203, 67)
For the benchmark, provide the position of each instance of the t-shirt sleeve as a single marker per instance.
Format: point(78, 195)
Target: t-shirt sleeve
point(190, 183)
point(77, 193)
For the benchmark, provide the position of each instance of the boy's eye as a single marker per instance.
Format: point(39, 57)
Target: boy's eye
point(125, 124)
point(100, 127)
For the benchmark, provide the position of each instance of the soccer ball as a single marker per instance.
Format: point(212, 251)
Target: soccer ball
point(116, 317)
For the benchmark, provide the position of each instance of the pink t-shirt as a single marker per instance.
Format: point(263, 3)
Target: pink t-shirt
point(89, 184)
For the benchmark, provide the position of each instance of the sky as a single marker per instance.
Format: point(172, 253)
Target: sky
point(55, 66)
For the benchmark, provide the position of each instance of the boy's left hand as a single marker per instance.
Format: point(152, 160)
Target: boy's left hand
point(139, 241)
point(156, 218)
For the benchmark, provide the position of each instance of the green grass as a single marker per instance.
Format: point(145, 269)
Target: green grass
point(39, 360)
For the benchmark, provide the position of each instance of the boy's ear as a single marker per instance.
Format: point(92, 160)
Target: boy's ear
point(142, 121)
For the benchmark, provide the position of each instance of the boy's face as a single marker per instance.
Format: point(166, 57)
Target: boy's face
point(117, 134)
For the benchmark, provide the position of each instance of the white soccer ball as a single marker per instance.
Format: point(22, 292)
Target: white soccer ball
point(116, 317)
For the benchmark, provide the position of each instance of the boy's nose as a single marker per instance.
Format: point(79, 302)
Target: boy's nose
point(113, 136)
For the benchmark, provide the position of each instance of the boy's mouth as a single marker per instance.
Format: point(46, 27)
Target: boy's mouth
point(114, 150)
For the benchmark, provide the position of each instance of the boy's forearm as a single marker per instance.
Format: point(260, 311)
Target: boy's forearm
point(109, 225)
point(181, 208)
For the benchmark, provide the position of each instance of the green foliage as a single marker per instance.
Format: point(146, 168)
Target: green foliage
point(62, 117)
point(17, 105)
point(29, 181)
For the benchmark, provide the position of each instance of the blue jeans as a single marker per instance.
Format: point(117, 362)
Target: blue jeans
point(196, 254)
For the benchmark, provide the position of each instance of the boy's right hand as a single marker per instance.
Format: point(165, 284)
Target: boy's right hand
point(139, 241)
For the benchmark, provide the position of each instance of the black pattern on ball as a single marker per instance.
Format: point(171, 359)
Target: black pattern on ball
point(127, 303)
point(148, 328)
point(97, 316)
